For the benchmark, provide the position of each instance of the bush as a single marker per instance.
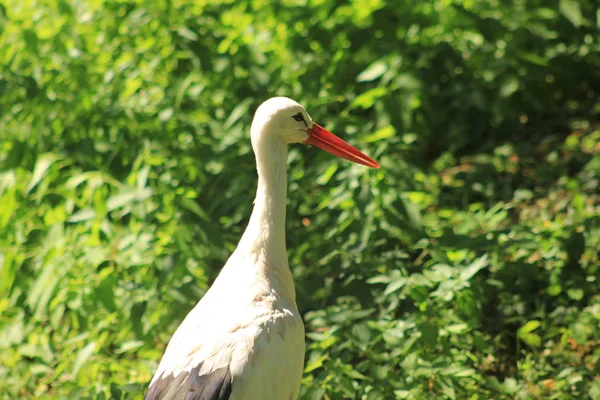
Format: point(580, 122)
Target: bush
point(467, 267)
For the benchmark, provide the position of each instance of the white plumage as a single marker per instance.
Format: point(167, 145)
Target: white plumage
point(245, 339)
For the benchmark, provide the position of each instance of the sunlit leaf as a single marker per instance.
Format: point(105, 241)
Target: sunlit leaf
point(383, 133)
point(368, 98)
point(83, 356)
point(475, 267)
point(44, 162)
point(372, 72)
point(571, 9)
point(530, 326)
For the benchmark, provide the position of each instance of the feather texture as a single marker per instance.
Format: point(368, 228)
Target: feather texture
point(244, 326)
point(192, 386)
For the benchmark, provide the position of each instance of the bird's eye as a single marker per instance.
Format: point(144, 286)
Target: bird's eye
point(298, 117)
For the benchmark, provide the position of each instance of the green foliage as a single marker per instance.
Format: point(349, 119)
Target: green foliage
point(467, 267)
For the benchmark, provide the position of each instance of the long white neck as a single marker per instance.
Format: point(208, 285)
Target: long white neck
point(264, 238)
point(266, 228)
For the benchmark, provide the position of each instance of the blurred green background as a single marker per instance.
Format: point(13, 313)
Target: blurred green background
point(467, 267)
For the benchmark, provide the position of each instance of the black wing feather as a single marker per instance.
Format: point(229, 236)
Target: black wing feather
point(214, 386)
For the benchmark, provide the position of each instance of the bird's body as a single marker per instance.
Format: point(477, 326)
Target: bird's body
point(245, 339)
point(255, 335)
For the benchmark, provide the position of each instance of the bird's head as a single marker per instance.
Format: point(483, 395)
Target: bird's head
point(284, 119)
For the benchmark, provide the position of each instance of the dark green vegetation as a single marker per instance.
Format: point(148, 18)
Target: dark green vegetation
point(467, 267)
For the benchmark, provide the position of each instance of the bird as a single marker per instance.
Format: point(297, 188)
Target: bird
point(244, 340)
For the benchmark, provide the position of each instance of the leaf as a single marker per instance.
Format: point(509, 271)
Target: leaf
point(531, 339)
point(457, 328)
point(362, 332)
point(191, 205)
point(142, 178)
point(447, 290)
point(475, 267)
point(368, 98)
point(458, 371)
point(131, 86)
point(326, 176)
point(413, 213)
point(82, 215)
point(8, 269)
point(554, 290)
point(313, 364)
point(575, 294)
point(105, 289)
point(352, 373)
point(127, 195)
point(395, 285)
point(165, 114)
point(82, 356)
point(534, 59)
point(510, 86)
point(42, 164)
point(379, 279)
point(383, 133)
point(372, 72)
point(402, 394)
point(314, 392)
point(239, 110)
point(429, 333)
point(529, 327)
point(571, 10)
point(42, 290)
point(129, 345)
point(120, 199)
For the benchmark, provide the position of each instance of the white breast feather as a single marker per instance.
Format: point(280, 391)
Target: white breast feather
point(252, 331)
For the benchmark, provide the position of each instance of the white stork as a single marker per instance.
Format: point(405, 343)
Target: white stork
point(245, 339)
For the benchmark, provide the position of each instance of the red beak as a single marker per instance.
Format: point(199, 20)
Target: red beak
point(323, 139)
